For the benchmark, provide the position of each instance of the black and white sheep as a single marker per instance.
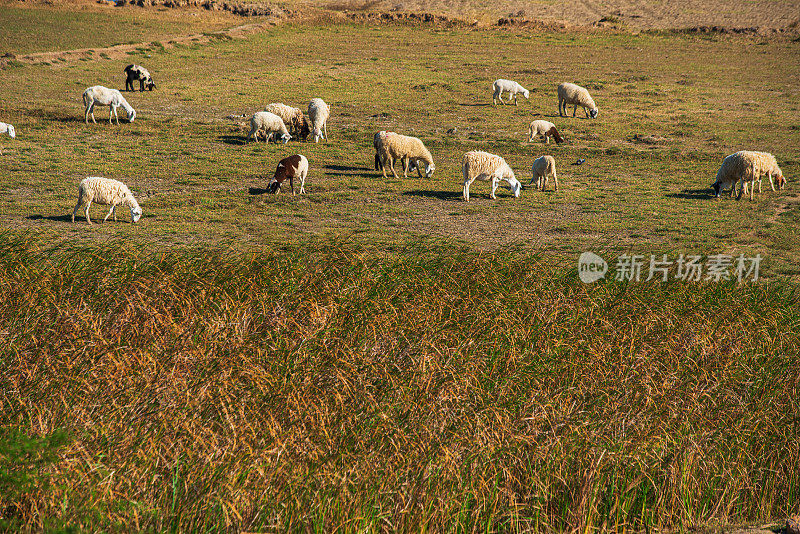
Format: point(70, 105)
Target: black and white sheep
point(137, 72)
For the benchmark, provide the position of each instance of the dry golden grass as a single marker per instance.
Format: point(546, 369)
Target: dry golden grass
point(327, 386)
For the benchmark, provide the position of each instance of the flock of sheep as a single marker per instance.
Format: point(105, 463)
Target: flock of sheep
point(280, 122)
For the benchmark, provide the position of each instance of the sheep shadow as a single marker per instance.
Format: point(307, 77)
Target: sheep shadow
point(233, 139)
point(343, 170)
point(258, 190)
point(439, 195)
point(692, 194)
point(479, 105)
point(53, 218)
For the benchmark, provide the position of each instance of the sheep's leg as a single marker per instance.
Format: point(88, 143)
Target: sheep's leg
point(384, 162)
point(752, 188)
point(391, 163)
point(515, 99)
point(91, 110)
point(466, 189)
point(325, 131)
point(109, 213)
point(77, 207)
point(742, 188)
point(404, 163)
point(495, 183)
point(770, 182)
point(759, 185)
point(574, 110)
point(86, 212)
point(555, 179)
point(302, 183)
point(86, 114)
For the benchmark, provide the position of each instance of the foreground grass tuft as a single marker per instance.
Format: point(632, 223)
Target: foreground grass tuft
point(327, 386)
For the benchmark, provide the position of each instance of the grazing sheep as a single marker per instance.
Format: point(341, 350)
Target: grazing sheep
point(543, 168)
point(109, 192)
point(569, 93)
point(507, 85)
point(747, 167)
point(483, 166)
point(318, 113)
point(292, 167)
point(377, 141)
point(407, 149)
point(546, 129)
point(137, 72)
point(8, 130)
point(270, 123)
point(293, 118)
point(97, 94)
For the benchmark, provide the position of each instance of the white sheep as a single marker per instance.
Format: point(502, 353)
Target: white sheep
point(270, 123)
point(569, 93)
point(318, 113)
point(8, 130)
point(108, 192)
point(546, 129)
point(407, 149)
point(747, 167)
point(483, 166)
point(507, 85)
point(97, 94)
point(543, 168)
point(293, 118)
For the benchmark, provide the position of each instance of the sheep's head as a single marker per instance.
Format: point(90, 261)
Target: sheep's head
point(717, 187)
point(516, 187)
point(150, 84)
point(593, 113)
point(285, 138)
point(779, 179)
point(526, 94)
point(131, 115)
point(317, 133)
point(12, 133)
point(274, 187)
point(136, 214)
point(429, 168)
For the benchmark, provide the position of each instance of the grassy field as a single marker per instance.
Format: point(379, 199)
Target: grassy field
point(378, 354)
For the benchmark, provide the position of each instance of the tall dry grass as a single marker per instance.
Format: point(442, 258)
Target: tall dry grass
point(329, 386)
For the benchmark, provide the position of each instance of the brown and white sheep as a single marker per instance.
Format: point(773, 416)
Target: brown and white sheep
point(289, 168)
point(546, 129)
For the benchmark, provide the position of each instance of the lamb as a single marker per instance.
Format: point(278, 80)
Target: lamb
point(569, 93)
point(318, 113)
point(543, 168)
point(293, 118)
point(109, 192)
point(483, 166)
point(292, 167)
point(747, 166)
point(8, 130)
point(97, 94)
point(137, 72)
point(270, 123)
point(546, 129)
point(507, 85)
point(407, 149)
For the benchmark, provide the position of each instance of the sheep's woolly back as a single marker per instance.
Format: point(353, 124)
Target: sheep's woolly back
point(265, 120)
point(544, 166)
point(748, 165)
point(8, 130)
point(403, 146)
point(575, 94)
point(106, 191)
point(318, 112)
point(483, 165)
point(508, 85)
point(288, 114)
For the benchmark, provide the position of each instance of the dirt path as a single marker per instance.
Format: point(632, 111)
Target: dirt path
point(63, 57)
